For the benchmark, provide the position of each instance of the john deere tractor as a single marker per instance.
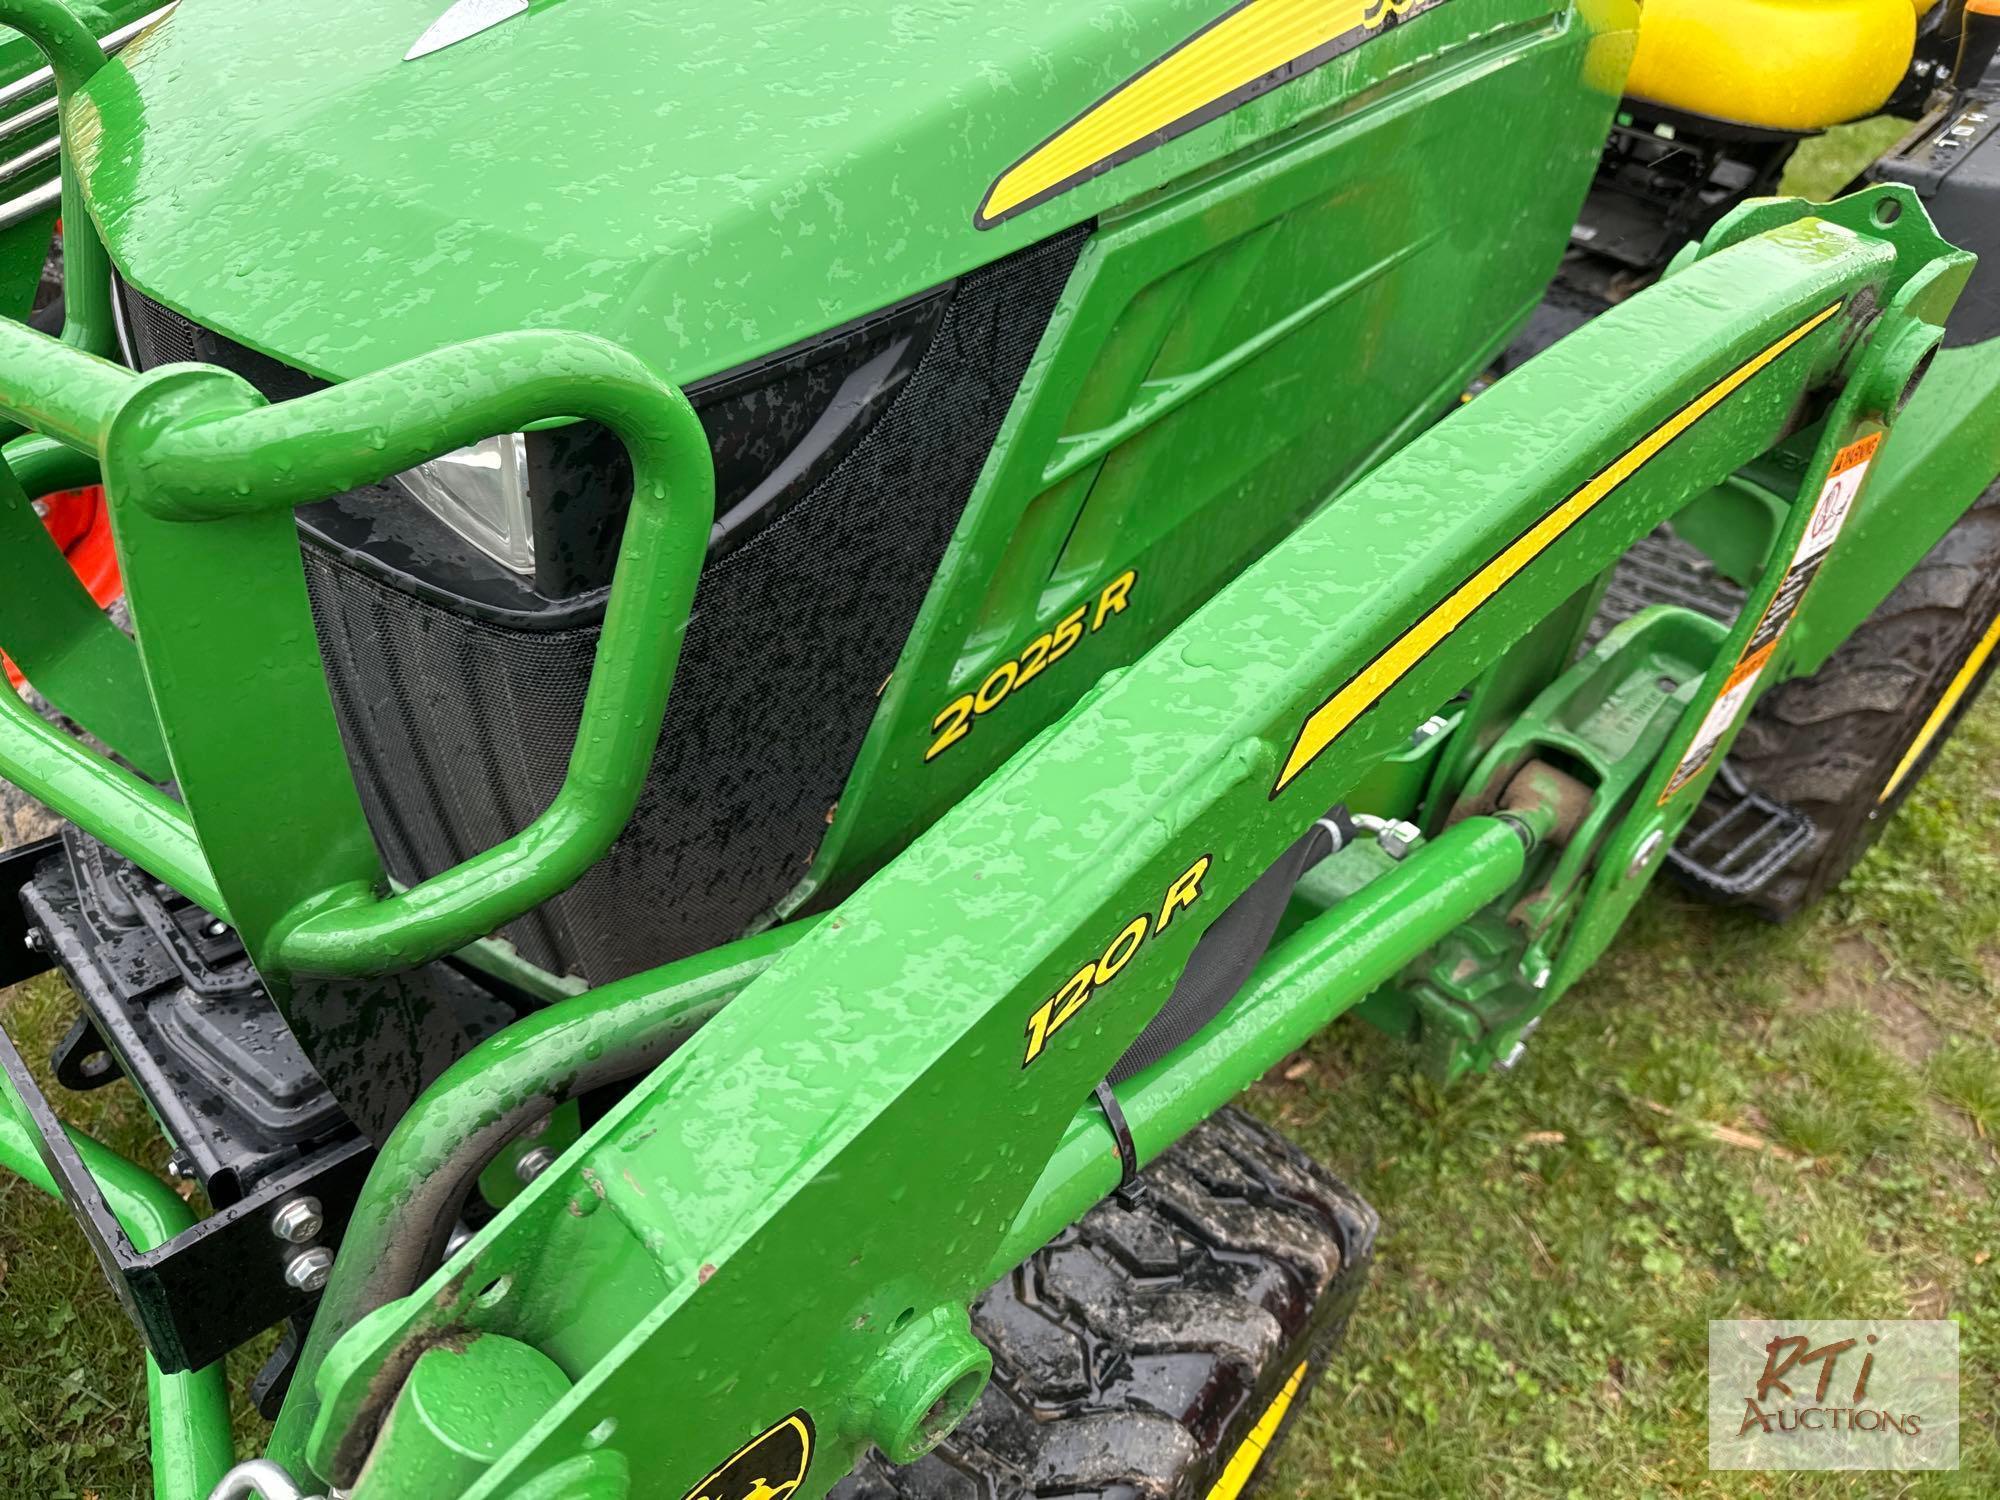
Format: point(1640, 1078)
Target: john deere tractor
point(772, 648)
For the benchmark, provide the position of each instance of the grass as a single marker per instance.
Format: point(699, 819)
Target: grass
point(1554, 1242)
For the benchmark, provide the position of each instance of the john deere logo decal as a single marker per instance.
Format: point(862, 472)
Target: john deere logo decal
point(768, 1467)
point(1247, 51)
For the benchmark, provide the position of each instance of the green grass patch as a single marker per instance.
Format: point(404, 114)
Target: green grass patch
point(1726, 1119)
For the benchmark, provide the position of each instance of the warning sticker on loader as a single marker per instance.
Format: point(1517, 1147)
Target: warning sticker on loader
point(768, 1467)
point(1830, 513)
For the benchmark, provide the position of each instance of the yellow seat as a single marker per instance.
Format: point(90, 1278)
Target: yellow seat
point(1775, 64)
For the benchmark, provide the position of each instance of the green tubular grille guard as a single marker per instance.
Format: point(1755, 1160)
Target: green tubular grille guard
point(197, 468)
point(201, 475)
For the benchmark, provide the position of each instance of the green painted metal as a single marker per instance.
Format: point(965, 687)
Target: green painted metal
point(486, 1098)
point(673, 165)
point(1225, 409)
point(74, 55)
point(1147, 438)
point(1329, 964)
point(42, 465)
point(24, 249)
point(856, 1083)
point(25, 245)
point(189, 1411)
point(1915, 299)
point(448, 1427)
point(1605, 719)
point(201, 476)
point(63, 642)
point(106, 801)
point(237, 474)
point(1944, 451)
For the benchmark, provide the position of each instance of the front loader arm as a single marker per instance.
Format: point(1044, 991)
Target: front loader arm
point(776, 1236)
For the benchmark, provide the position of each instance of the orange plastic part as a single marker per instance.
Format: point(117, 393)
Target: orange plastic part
point(81, 526)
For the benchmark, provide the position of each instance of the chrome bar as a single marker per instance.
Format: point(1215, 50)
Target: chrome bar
point(34, 114)
point(34, 156)
point(35, 200)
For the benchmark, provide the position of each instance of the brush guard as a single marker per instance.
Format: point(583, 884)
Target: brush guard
point(201, 476)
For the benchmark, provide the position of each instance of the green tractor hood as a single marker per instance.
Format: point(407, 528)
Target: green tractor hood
point(701, 182)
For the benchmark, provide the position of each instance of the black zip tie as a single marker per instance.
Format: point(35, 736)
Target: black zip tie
point(1129, 1184)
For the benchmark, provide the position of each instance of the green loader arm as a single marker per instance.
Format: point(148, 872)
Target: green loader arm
point(770, 1245)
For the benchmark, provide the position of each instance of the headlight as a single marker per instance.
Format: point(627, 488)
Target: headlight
point(481, 492)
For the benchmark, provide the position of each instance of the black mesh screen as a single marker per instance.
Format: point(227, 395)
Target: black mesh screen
point(159, 336)
point(459, 730)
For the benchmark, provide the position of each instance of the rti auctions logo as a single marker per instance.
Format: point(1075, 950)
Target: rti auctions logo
point(1785, 1355)
point(1833, 1395)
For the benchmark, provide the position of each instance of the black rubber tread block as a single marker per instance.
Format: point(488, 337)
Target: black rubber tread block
point(1827, 744)
point(1134, 1352)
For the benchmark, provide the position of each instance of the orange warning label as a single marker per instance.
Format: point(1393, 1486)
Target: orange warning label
point(1830, 512)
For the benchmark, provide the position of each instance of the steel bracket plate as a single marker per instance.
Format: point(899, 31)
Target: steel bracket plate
point(19, 961)
point(214, 1286)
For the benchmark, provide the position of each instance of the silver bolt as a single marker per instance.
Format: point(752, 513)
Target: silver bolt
point(217, 928)
point(307, 1271)
point(533, 1163)
point(1643, 855)
point(298, 1221)
point(460, 1233)
point(1520, 1048)
point(37, 941)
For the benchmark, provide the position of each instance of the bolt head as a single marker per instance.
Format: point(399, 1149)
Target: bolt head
point(36, 940)
point(1643, 855)
point(217, 928)
point(298, 1221)
point(307, 1271)
point(533, 1163)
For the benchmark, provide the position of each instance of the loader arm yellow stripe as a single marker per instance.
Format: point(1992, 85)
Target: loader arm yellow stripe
point(1327, 722)
point(1247, 51)
point(1952, 693)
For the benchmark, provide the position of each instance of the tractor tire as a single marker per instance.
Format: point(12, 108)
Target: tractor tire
point(1161, 1347)
point(1831, 744)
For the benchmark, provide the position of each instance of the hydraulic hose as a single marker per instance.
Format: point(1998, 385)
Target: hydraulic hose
point(1329, 964)
point(433, 1158)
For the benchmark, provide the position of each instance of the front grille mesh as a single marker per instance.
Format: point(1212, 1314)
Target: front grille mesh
point(460, 730)
point(160, 336)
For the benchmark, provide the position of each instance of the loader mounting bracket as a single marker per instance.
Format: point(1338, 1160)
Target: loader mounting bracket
point(214, 1286)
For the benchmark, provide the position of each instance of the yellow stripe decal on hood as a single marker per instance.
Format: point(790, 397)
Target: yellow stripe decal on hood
point(1248, 50)
point(1330, 720)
